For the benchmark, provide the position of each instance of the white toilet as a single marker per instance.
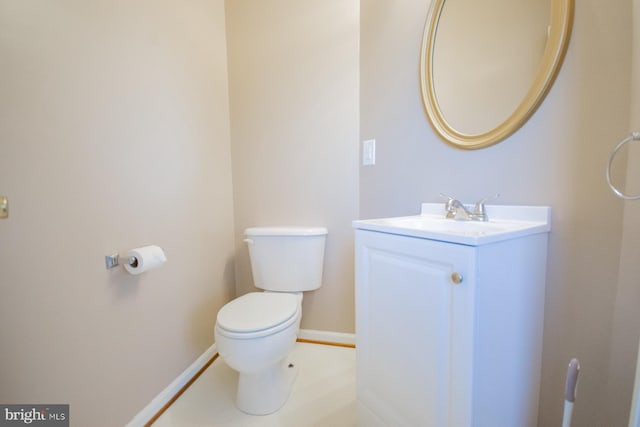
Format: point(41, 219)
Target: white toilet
point(255, 332)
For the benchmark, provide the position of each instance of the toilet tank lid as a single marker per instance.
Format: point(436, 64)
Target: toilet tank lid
point(285, 231)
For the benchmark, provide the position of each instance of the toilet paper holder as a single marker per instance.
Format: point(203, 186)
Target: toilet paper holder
point(114, 260)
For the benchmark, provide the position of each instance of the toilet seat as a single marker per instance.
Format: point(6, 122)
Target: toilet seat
point(258, 314)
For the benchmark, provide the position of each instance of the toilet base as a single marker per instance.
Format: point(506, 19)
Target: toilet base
point(265, 392)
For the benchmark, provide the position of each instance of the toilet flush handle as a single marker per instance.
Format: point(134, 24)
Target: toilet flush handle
point(248, 241)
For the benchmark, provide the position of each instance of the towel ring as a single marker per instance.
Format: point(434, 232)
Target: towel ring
point(633, 136)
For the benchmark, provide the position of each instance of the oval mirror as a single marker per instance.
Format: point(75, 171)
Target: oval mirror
point(486, 66)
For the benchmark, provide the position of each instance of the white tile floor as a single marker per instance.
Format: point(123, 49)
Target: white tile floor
point(323, 394)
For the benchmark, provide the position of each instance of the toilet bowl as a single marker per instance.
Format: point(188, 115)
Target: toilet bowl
point(255, 333)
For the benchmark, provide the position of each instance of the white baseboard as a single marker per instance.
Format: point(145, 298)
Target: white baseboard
point(327, 336)
point(172, 389)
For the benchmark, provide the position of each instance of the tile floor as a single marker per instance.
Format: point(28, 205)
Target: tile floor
point(323, 394)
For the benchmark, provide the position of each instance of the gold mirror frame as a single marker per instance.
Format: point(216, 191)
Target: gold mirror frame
point(561, 23)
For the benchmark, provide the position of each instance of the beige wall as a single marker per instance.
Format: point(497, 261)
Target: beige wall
point(556, 159)
point(293, 84)
point(626, 326)
point(113, 134)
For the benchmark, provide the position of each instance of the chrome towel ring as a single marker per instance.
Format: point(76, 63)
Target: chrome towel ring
point(633, 136)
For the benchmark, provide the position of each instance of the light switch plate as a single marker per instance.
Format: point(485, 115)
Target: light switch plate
point(369, 152)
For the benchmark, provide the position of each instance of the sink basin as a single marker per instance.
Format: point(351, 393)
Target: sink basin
point(505, 222)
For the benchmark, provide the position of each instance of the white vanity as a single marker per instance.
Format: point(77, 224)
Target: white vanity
point(449, 318)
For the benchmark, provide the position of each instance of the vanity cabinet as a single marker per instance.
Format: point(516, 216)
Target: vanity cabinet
point(448, 334)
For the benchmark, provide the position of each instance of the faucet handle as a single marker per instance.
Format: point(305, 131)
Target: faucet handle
point(448, 205)
point(479, 210)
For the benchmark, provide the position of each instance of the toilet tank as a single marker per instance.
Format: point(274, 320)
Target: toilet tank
point(286, 259)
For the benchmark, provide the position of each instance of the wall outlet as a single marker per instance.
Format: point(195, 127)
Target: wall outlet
point(369, 152)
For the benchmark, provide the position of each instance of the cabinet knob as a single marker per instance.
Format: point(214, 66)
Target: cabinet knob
point(456, 278)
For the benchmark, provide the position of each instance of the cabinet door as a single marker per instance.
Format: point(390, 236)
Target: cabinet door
point(414, 330)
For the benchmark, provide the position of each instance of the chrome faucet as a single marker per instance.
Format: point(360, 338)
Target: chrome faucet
point(456, 210)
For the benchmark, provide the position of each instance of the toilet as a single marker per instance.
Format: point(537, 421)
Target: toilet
point(255, 332)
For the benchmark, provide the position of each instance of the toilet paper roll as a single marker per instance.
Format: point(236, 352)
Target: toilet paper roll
point(147, 258)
